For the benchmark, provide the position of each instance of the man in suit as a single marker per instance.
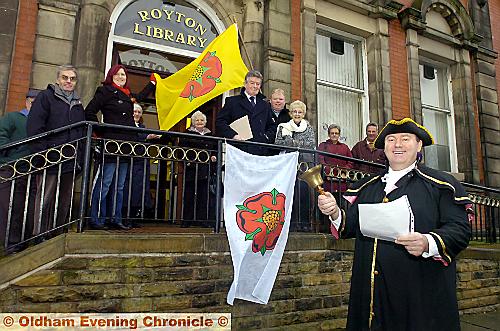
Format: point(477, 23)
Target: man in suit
point(278, 105)
point(252, 103)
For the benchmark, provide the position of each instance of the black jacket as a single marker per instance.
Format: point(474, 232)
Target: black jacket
point(283, 116)
point(51, 110)
point(260, 117)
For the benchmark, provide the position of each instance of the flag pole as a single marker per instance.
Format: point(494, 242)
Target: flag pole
point(233, 18)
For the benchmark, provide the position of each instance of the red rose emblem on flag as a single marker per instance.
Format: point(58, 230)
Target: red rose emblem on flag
point(262, 217)
point(205, 77)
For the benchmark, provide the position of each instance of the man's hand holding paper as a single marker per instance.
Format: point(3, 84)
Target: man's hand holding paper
point(386, 221)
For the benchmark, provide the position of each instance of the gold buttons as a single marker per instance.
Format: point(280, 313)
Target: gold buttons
point(386, 199)
point(375, 272)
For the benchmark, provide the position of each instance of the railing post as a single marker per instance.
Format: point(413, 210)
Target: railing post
point(218, 187)
point(85, 177)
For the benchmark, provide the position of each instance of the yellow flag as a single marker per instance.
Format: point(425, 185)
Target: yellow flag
point(218, 69)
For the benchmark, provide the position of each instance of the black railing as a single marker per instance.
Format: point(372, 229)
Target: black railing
point(176, 181)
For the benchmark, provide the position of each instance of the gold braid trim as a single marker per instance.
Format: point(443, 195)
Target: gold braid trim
point(403, 121)
point(372, 278)
point(443, 246)
point(342, 222)
point(362, 186)
point(442, 183)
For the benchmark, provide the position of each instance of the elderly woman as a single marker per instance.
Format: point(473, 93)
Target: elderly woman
point(196, 189)
point(115, 102)
point(334, 146)
point(298, 133)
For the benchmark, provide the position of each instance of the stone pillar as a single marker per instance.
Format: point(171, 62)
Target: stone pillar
point(277, 54)
point(309, 61)
point(487, 94)
point(253, 31)
point(90, 50)
point(414, 75)
point(379, 74)
point(8, 19)
point(489, 121)
point(464, 117)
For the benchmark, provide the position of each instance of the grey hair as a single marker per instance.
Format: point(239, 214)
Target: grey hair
point(198, 114)
point(278, 91)
point(66, 67)
point(137, 106)
point(298, 104)
point(253, 73)
point(334, 126)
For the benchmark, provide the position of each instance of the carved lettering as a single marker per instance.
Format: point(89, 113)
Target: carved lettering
point(190, 23)
point(202, 42)
point(156, 13)
point(179, 16)
point(169, 35)
point(201, 29)
point(157, 33)
point(148, 31)
point(168, 13)
point(136, 29)
point(144, 15)
point(191, 40)
point(180, 38)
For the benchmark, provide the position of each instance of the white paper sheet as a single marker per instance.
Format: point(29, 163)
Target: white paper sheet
point(386, 221)
point(242, 126)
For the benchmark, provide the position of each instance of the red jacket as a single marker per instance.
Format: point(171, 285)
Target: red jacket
point(340, 149)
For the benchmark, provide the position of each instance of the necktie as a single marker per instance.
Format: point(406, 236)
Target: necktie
point(252, 101)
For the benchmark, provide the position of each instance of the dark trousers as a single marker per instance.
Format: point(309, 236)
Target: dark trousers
point(16, 206)
point(45, 202)
point(205, 202)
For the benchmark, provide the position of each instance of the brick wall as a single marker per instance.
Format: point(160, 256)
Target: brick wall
point(400, 92)
point(24, 44)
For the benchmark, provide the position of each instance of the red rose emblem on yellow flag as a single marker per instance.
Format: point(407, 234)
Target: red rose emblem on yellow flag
point(205, 77)
point(262, 217)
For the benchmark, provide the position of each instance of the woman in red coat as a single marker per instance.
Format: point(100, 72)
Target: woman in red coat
point(330, 164)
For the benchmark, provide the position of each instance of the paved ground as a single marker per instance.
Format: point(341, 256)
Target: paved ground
point(481, 322)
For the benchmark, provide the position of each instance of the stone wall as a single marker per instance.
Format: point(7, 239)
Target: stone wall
point(192, 273)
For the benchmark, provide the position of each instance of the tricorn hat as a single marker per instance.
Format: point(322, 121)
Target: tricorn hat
point(406, 125)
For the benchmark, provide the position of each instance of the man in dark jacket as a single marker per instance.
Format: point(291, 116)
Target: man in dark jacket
point(251, 103)
point(278, 105)
point(55, 107)
point(406, 281)
point(365, 150)
point(13, 128)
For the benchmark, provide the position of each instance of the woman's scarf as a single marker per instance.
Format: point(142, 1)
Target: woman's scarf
point(289, 127)
point(123, 89)
point(204, 132)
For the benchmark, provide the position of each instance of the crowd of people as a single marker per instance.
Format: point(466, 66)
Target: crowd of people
point(122, 183)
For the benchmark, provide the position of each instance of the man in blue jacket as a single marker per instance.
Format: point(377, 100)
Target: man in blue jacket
point(55, 107)
point(12, 129)
point(252, 103)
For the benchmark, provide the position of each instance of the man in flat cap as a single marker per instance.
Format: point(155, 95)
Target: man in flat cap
point(408, 283)
point(13, 128)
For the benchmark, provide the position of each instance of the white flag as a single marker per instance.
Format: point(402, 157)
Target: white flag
point(258, 196)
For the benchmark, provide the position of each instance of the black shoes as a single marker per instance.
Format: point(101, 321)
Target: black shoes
point(119, 226)
point(95, 226)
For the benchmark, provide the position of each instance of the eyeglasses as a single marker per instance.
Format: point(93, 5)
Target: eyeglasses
point(334, 133)
point(71, 79)
point(297, 112)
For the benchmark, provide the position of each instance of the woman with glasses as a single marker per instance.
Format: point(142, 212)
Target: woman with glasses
point(332, 166)
point(116, 103)
point(298, 133)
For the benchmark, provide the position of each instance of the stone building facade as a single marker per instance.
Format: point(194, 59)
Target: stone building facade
point(350, 61)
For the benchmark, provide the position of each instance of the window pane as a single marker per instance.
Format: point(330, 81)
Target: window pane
point(342, 108)
point(437, 124)
point(335, 68)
